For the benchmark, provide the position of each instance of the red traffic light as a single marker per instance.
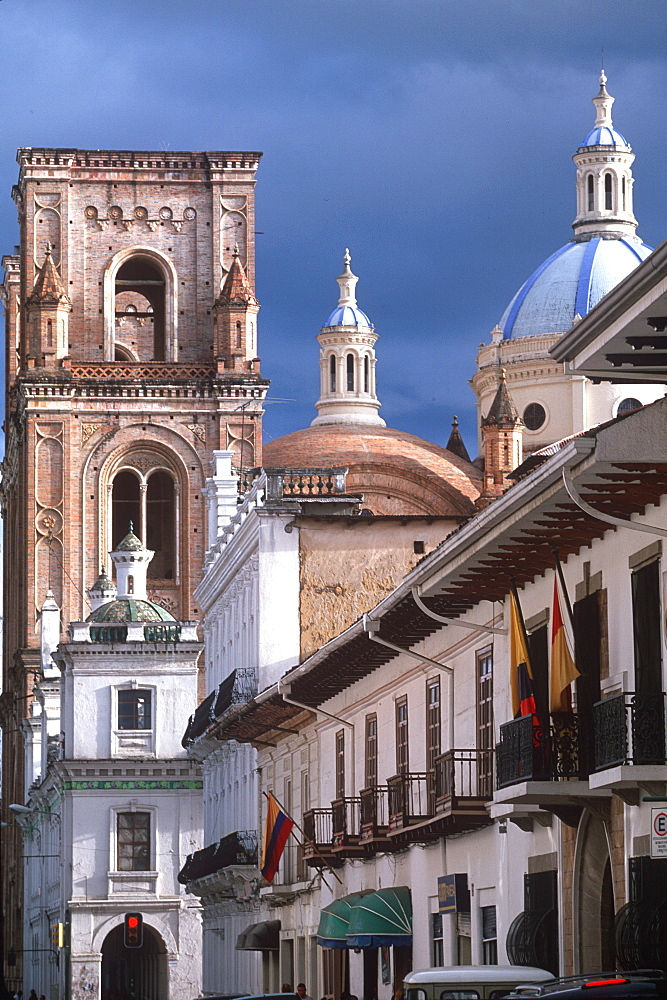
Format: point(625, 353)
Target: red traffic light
point(133, 930)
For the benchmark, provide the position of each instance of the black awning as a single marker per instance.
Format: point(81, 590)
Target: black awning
point(264, 936)
point(213, 705)
point(237, 848)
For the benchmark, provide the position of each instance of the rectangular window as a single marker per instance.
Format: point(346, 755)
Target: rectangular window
point(340, 764)
point(489, 936)
point(133, 835)
point(134, 709)
point(432, 723)
point(485, 719)
point(371, 766)
point(402, 760)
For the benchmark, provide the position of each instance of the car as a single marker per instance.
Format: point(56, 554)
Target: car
point(620, 984)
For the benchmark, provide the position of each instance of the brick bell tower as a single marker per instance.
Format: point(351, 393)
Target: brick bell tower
point(130, 356)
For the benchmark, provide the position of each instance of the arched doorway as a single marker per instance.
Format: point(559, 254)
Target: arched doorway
point(134, 973)
point(594, 898)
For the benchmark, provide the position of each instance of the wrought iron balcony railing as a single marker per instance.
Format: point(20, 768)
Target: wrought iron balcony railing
point(528, 751)
point(346, 823)
point(630, 729)
point(463, 774)
point(318, 837)
point(238, 848)
point(411, 799)
point(374, 807)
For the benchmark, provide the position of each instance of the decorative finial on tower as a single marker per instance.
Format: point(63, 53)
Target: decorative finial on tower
point(456, 444)
point(49, 249)
point(347, 282)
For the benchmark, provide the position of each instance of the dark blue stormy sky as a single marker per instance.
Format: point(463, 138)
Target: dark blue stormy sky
point(432, 137)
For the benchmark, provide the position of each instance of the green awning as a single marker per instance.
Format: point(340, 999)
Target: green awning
point(335, 920)
point(381, 918)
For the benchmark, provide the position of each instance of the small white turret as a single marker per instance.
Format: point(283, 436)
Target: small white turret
point(50, 634)
point(347, 361)
point(102, 591)
point(131, 560)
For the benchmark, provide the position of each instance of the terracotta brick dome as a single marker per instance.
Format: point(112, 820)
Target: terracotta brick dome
point(397, 473)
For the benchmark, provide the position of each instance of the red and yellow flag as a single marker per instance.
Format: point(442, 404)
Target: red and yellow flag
point(563, 667)
point(276, 832)
point(521, 674)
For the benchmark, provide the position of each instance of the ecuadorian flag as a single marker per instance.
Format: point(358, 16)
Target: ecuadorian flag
point(277, 830)
point(521, 674)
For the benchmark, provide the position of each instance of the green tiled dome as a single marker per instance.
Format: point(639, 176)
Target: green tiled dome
point(127, 609)
point(130, 543)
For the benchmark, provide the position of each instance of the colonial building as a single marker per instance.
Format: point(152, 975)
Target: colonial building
point(131, 356)
point(551, 401)
point(407, 771)
point(287, 570)
point(114, 802)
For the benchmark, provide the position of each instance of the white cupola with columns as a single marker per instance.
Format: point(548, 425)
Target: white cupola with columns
point(347, 361)
point(604, 176)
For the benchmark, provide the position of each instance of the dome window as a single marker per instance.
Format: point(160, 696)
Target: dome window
point(367, 375)
point(627, 405)
point(623, 192)
point(350, 372)
point(332, 373)
point(591, 194)
point(534, 416)
point(608, 193)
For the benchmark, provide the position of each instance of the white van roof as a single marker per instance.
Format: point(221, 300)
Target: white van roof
point(501, 974)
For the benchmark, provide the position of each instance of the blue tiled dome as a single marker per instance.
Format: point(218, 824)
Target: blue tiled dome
point(348, 316)
point(570, 282)
point(602, 135)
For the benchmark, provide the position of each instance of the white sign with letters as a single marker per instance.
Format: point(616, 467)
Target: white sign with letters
point(659, 832)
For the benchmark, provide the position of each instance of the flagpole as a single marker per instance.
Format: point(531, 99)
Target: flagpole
point(307, 839)
point(559, 571)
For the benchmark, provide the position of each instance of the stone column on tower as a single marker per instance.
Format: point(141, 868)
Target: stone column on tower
point(347, 361)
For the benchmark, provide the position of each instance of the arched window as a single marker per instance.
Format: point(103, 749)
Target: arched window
point(628, 405)
point(623, 192)
point(125, 507)
point(159, 530)
point(140, 308)
point(591, 193)
point(160, 526)
point(239, 335)
point(350, 372)
point(608, 192)
point(332, 372)
point(367, 374)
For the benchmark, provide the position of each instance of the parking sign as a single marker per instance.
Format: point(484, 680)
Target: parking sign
point(659, 833)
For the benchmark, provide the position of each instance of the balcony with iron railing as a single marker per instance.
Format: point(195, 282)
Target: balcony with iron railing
point(546, 765)
point(411, 798)
point(318, 840)
point(629, 745)
point(346, 827)
point(463, 786)
point(374, 825)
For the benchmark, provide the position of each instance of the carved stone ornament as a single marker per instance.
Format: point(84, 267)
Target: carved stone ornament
point(198, 431)
point(189, 214)
point(49, 521)
point(87, 431)
point(90, 212)
point(115, 212)
point(140, 212)
point(165, 212)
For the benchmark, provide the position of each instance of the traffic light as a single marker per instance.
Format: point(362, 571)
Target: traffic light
point(58, 935)
point(133, 930)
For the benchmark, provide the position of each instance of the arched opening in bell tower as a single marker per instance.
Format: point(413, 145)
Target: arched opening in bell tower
point(140, 292)
point(150, 505)
point(141, 308)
